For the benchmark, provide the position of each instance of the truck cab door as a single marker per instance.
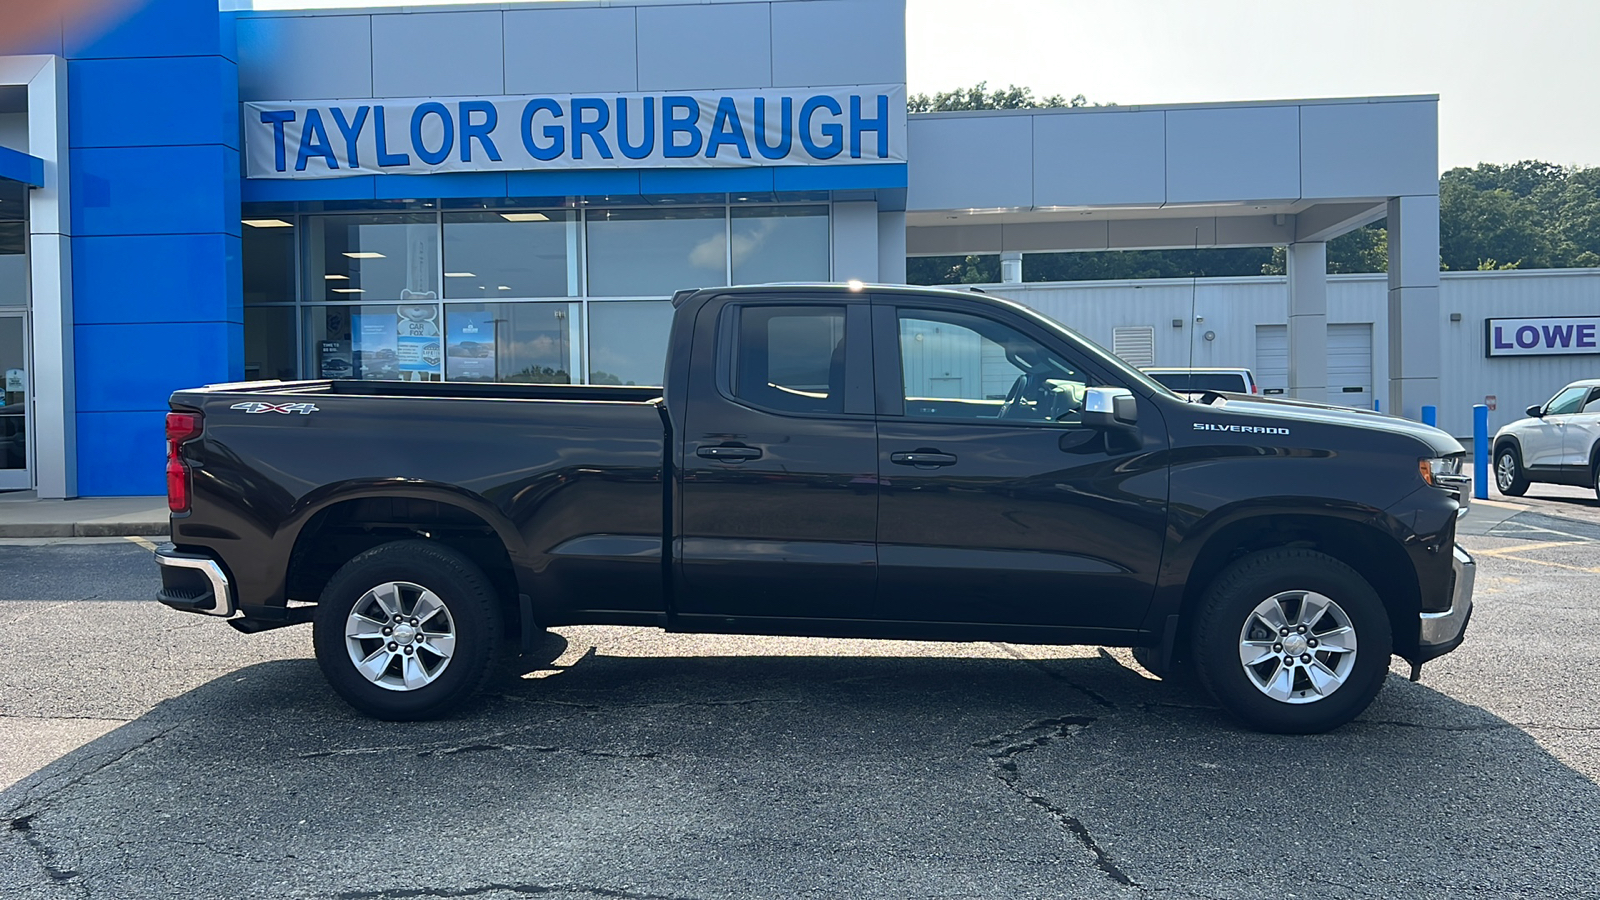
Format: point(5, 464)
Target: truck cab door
point(1000, 504)
point(777, 490)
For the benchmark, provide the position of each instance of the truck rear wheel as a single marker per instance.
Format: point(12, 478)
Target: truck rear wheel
point(409, 630)
point(1292, 641)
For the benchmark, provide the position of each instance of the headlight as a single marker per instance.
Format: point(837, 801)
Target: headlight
point(1440, 470)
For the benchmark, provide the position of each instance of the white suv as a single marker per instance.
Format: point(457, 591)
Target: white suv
point(1559, 444)
point(1198, 381)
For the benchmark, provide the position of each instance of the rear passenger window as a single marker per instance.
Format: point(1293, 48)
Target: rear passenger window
point(791, 358)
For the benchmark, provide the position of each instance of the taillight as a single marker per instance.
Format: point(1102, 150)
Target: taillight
point(181, 428)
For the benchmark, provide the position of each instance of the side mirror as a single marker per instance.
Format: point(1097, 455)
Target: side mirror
point(1536, 411)
point(1110, 409)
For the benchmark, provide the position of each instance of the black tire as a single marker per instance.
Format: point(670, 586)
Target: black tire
point(1230, 605)
point(1149, 659)
point(1509, 477)
point(473, 613)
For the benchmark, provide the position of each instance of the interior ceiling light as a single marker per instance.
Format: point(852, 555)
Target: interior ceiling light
point(347, 290)
point(525, 217)
point(267, 223)
point(365, 254)
point(461, 275)
point(505, 287)
point(336, 277)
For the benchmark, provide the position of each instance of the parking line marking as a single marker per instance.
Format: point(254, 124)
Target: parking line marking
point(140, 541)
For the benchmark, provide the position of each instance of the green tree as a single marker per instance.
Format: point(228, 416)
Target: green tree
point(979, 96)
point(1363, 250)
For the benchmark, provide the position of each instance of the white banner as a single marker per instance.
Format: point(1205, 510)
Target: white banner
point(694, 129)
point(1547, 336)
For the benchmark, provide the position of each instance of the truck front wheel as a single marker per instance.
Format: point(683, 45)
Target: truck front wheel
point(409, 630)
point(1292, 641)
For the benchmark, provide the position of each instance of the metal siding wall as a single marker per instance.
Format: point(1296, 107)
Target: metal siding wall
point(1234, 307)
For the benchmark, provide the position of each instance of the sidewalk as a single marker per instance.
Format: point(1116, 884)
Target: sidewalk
point(23, 515)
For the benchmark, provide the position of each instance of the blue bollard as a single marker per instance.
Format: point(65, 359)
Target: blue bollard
point(1377, 405)
point(1480, 451)
point(1430, 416)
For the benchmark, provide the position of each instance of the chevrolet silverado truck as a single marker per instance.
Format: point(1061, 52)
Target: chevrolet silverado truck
point(826, 460)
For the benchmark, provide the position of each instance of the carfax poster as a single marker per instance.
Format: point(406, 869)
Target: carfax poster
point(417, 338)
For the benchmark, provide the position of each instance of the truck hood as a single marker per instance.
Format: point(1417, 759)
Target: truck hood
point(1324, 414)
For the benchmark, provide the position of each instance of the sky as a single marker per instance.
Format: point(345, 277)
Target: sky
point(1516, 80)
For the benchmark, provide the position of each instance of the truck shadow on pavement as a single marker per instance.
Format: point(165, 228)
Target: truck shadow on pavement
point(677, 777)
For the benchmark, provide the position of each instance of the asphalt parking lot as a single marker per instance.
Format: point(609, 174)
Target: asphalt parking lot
point(151, 754)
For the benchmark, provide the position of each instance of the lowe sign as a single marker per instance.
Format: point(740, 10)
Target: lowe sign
point(775, 127)
point(1549, 336)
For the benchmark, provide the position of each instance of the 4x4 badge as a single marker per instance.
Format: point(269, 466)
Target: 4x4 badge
point(304, 409)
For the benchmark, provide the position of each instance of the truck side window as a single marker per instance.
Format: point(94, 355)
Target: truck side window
point(959, 366)
point(791, 358)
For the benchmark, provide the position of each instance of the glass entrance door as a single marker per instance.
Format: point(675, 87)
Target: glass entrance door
point(15, 448)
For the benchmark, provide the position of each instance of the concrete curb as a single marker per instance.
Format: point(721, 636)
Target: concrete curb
point(83, 529)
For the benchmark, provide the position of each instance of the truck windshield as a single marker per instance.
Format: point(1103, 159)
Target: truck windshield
point(1197, 382)
point(1132, 375)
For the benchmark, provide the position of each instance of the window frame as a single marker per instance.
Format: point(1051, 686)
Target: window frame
point(857, 353)
point(890, 367)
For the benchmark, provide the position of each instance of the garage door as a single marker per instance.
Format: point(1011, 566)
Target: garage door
point(1349, 362)
point(1350, 365)
point(1272, 358)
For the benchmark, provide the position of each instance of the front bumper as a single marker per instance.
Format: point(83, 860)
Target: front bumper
point(193, 583)
point(1442, 632)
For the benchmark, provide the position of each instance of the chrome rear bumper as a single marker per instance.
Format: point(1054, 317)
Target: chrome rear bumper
point(193, 583)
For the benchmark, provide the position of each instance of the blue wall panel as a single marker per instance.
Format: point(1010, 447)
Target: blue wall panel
point(268, 190)
point(154, 133)
point(122, 454)
point(137, 366)
point(155, 278)
point(447, 184)
point(154, 190)
point(578, 183)
point(146, 28)
point(134, 103)
point(841, 178)
point(706, 181)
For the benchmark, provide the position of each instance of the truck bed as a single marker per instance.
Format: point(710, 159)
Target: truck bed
point(452, 389)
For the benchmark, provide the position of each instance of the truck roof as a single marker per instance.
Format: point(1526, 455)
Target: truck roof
point(831, 287)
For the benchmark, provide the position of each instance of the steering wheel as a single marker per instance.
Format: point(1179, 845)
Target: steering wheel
point(1026, 388)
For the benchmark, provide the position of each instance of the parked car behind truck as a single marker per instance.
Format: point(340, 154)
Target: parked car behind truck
point(1558, 443)
point(826, 460)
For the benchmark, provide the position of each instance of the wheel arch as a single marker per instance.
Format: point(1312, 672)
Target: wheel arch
point(1376, 555)
point(333, 525)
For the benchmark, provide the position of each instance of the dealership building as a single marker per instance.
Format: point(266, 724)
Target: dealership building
point(513, 192)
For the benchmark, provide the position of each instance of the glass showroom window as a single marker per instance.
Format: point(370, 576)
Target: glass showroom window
point(628, 341)
point(392, 256)
point(519, 342)
point(268, 258)
point(269, 343)
point(396, 342)
point(499, 255)
point(654, 252)
point(780, 243)
point(13, 243)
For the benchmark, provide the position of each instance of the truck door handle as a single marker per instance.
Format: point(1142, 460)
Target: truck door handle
point(923, 459)
point(728, 453)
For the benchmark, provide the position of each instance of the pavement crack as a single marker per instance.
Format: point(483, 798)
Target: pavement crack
point(425, 751)
point(1003, 752)
point(1096, 697)
point(42, 798)
point(48, 858)
point(528, 890)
